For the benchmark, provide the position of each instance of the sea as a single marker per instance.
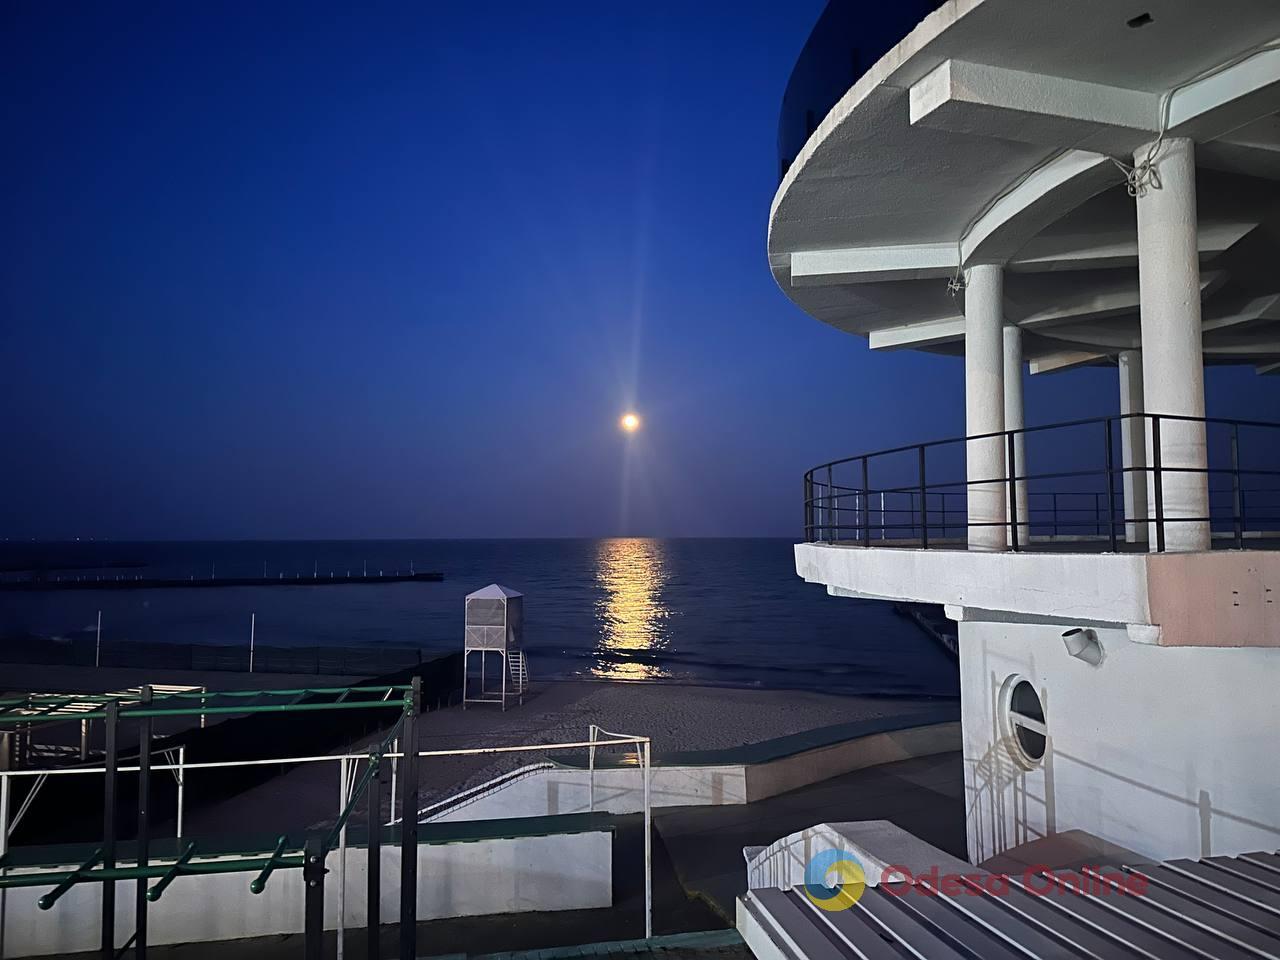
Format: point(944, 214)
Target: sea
point(712, 611)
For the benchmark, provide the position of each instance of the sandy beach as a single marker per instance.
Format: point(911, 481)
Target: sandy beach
point(677, 718)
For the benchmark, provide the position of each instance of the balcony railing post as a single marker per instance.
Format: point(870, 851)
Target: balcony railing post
point(1158, 475)
point(924, 510)
point(1237, 505)
point(1013, 491)
point(866, 507)
point(808, 507)
point(1111, 490)
point(831, 492)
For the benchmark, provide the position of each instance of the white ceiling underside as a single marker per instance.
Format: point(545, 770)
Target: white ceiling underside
point(988, 134)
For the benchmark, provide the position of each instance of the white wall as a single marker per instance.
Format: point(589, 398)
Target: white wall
point(558, 872)
point(1167, 751)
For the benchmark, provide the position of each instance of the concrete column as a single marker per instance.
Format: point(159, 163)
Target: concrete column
point(1172, 358)
point(1014, 420)
point(1133, 446)
point(984, 404)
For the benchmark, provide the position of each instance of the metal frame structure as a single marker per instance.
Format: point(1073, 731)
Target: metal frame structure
point(101, 867)
point(918, 514)
point(385, 764)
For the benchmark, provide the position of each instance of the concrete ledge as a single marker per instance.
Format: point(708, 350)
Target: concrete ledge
point(1222, 598)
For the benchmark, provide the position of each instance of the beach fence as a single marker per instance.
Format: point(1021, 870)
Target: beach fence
point(296, 900)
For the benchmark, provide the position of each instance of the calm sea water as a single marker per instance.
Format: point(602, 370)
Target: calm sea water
point(707, 611)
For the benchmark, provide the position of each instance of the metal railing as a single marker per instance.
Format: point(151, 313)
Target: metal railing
point(1085, 486)
point(384, 763)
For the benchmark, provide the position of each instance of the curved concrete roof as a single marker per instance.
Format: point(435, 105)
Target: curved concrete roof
point(987, 134)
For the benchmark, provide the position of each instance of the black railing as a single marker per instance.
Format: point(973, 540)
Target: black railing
point(1084, 488)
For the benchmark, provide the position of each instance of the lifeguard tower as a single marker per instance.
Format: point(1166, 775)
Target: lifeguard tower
point(494, 623)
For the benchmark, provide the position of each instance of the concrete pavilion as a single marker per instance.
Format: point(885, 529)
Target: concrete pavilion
point(1044, 186)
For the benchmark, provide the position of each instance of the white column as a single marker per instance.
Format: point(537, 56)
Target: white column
point(1133, 446)
point(1014, 420)
point(984, 404)
point(1172, 358)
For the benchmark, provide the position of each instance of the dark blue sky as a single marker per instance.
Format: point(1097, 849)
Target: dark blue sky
point(394, 271)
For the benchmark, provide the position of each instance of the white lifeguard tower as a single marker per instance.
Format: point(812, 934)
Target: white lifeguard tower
point(494, 623)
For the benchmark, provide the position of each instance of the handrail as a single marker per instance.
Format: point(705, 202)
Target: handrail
point(1039, 427)
point(841, 506)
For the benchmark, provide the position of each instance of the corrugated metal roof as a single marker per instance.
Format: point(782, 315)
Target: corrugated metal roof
point(1217, 908)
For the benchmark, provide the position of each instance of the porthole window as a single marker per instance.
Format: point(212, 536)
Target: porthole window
point(1023, 721)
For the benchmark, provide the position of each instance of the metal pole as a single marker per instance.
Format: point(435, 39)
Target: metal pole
point(4, 849)
point(826, 516)
point(97, 650)
point(182, 786)
point(313, 902)
point(342, 856)
point(1237, 507)
point(144, 826)
point(591, 769)
point(409, 826)
point(924, 512)
point(395, 748)
point(1013, 491)
point(373, 865)
point(253, 622)
point(648, 851)
point(1111, 491)
point(110, 722)
point(866, 506)
point(1159, 482)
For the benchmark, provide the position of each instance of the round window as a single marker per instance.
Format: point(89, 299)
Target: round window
point(1023, 722)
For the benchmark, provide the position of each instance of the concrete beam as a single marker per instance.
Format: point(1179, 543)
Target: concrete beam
point(1266, 369)
point(1044, 196)
point(1212, 107)
point(1096, 252)
point(815, 268)
point(1253, 150)
point(1064, 360)
point(928, 334)
point(973, 98)
point(1259, 308)
point(1095, 304)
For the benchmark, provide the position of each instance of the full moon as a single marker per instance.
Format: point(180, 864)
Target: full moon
point(630, 422)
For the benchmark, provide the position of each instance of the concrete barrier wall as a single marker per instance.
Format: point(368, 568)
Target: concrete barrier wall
point(510, 875)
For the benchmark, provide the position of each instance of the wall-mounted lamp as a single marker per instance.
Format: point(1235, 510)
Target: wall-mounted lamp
point(1083, 644)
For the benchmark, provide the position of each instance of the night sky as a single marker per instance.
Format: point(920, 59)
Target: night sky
point(273, 271)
